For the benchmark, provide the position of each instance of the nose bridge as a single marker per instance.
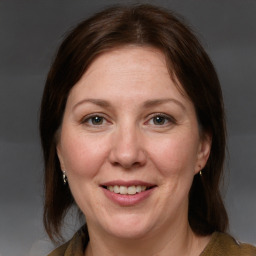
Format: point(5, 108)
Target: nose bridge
point(127, 148)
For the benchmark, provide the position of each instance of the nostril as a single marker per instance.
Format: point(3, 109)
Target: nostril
point(127, 157)
point(128, 165)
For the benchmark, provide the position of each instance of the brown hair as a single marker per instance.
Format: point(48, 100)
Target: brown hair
point(142, 25)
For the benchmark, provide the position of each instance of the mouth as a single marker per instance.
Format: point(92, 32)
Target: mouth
point(128, 193)
point(127, 190)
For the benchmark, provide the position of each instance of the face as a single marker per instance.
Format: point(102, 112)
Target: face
point(130, 144)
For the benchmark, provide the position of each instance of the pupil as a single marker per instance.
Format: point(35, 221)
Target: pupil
point(159, 120)
point(97, 120)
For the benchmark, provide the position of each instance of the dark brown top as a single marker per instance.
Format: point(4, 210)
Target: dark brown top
point(221, 244)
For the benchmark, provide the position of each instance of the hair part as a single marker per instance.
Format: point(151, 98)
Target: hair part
point(140, 25)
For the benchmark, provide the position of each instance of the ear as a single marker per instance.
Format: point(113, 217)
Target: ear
point(203, 153)
point(61, 159)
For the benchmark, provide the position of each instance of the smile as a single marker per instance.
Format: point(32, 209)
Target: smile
point(128, 193)
point(127, 190)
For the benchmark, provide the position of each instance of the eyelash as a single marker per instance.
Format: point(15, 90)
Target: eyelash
point(89, 118)
point(167, 119)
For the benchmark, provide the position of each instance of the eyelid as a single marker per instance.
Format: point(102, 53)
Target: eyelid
point(170, 118)
point(86, 118)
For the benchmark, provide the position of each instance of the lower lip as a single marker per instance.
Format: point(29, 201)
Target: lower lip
point(128, 200)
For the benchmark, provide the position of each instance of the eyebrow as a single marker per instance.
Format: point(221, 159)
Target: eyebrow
point(98, 102)
point(146, 104)
point(156, 102)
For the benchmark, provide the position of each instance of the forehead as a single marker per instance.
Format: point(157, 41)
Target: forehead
point(137, 70)
point(131, 58)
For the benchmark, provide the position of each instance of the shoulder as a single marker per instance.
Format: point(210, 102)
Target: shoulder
point(60, 251)
point(75, 246)
point(223, 244)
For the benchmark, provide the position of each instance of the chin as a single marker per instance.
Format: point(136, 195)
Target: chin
point(129, 233)
point(129, 227)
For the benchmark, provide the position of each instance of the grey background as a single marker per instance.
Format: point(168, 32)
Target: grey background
point(30, 32)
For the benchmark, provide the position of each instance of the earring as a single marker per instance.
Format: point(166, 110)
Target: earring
point(200, 172)
point(65, 179)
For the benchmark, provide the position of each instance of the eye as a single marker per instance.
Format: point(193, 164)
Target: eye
point(94, 120)
point(161, 120)
point(97, 120)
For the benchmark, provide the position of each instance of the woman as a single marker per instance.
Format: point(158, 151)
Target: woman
point(133, 133)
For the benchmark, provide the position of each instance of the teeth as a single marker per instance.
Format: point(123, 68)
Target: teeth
point(131, 190)
point(123, 190)
point(138, 189)
point(116, 189)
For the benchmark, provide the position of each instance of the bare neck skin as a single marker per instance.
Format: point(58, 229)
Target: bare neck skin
point(178, 240)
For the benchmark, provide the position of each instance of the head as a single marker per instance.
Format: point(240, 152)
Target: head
point(188, 66)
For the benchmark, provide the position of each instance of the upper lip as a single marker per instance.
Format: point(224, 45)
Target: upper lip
point(127, 183)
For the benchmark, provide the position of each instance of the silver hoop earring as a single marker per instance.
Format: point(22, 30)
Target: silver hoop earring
point(64, 176)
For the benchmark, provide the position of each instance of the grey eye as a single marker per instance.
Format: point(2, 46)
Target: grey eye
point(159, 120)
point(97, 120)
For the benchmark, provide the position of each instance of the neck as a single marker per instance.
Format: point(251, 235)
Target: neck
point(167, 242)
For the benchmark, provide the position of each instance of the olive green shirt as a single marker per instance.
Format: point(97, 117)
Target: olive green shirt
point(221, 244)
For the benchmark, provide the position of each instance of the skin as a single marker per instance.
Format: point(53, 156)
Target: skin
point(126, 90)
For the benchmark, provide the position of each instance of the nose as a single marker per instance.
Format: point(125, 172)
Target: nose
point(127, 148)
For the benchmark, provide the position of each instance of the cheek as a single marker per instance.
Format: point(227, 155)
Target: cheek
point(83, 155)
point(175, 156)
